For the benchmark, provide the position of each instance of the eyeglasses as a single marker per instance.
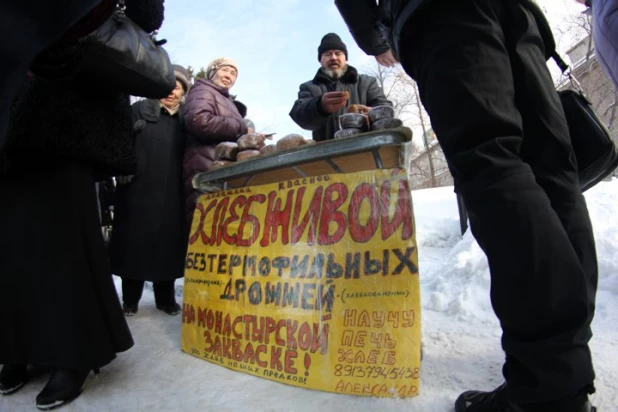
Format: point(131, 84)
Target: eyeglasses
point(335, 53)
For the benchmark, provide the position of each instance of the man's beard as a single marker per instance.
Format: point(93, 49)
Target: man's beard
point(335, 74)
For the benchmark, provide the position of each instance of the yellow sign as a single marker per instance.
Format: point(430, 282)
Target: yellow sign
point(310, 282)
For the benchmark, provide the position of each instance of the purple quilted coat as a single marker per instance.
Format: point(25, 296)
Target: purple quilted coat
point(211, 116)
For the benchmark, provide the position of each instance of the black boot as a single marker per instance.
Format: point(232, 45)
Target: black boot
point(129, 309)
point(63, 386)
point(172, 309)
point(12, 378)
point(497, 401)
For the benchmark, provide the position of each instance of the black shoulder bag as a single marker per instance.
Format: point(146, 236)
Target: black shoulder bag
point(593, 146)
point(118, 53)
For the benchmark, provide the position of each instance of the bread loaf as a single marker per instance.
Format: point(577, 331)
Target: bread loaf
point(226, 150)
point(290, 141)
point(353, 121)
point(381, 112)
point(269, 148)
point(386, 124)
point(247, 154)
point(251, 141)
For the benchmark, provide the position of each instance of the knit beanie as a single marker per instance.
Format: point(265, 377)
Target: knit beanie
point(183, 76)
point(331, 41)
point(218, 63)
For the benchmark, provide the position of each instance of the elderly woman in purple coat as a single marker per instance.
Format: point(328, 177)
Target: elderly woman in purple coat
point(212, 115)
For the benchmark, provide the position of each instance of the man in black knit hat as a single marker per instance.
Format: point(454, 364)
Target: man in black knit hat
point(322, 99)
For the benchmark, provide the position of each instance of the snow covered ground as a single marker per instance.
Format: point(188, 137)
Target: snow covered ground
point(461, 337)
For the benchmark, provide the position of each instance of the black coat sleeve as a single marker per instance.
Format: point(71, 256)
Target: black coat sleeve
point(362, 17)
point(148, 14)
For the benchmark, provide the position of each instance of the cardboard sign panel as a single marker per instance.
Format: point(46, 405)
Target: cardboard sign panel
point(311, 282)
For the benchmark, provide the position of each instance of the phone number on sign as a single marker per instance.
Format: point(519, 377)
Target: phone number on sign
point(375, 372)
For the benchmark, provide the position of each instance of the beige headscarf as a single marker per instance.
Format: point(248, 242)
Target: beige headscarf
point(218, 63)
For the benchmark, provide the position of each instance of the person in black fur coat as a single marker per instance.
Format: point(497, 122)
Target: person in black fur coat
point(59, 309)
point(149, 235)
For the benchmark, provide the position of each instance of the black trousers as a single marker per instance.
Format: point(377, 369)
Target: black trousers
point(164, 291)
point(483, 79)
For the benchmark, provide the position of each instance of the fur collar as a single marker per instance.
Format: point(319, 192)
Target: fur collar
point(149, 110)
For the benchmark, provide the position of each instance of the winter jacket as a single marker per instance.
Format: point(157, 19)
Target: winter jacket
point(605, 33)
point(376, 26)
point(211, 116)
point(307, 111)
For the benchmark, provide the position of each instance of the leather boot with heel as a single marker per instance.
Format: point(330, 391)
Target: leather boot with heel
point(12, 378)
point(63, 386)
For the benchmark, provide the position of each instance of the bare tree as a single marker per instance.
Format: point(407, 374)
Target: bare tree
point(394, 82)
point(403, 92)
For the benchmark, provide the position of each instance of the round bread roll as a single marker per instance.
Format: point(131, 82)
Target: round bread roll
point(357, 108)
point(290, 141)
point(226, 150)
point(309, 141)
point(388, 123)
point(343, 133)
point(269, 148)
point(251, 141)
point(247, 154)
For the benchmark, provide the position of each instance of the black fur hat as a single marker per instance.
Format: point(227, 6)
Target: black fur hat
point(331, 41)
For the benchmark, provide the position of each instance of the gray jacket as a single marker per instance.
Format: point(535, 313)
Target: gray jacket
point(307, 111)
